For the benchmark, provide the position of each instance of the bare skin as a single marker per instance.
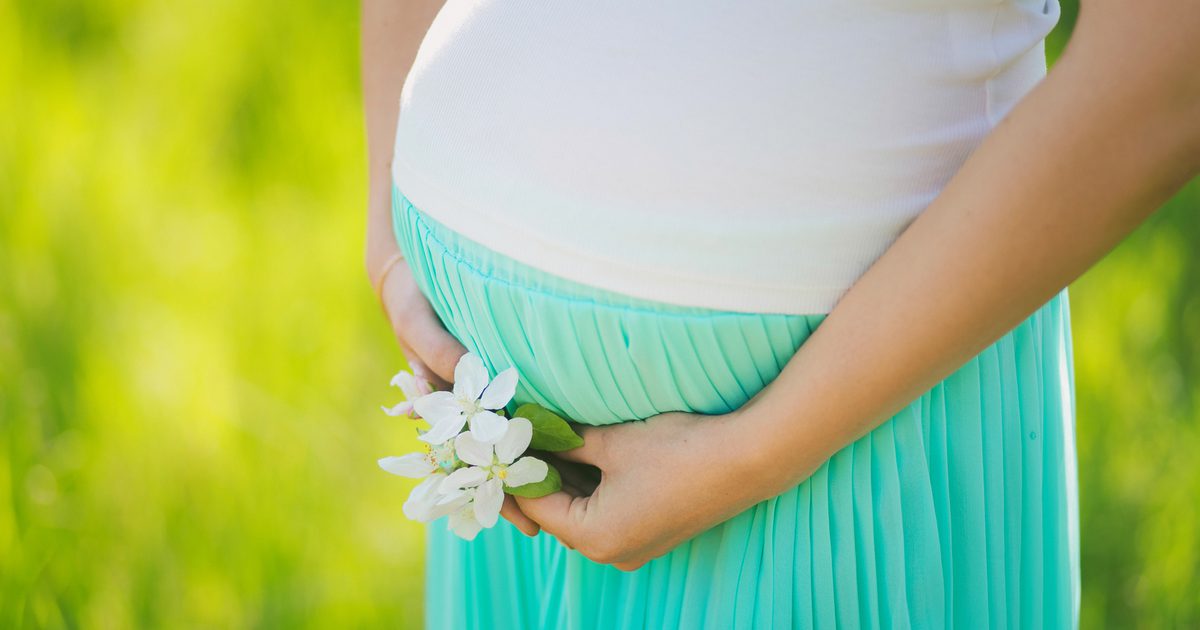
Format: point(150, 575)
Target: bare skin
point(1110, 134)
point(391, 32)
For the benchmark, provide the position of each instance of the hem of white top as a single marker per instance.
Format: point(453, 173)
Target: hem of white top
point(607, 273)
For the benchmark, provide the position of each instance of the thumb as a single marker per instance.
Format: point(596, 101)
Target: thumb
point(513, 513)
point(592, 452)
point(559, 514)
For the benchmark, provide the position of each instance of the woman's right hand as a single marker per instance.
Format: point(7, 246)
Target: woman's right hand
point(430, 350)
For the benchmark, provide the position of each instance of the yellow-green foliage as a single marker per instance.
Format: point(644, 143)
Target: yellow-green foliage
point(191, 361)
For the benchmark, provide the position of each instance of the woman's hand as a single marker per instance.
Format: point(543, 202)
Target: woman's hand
point(431, 351)
point(662, 481)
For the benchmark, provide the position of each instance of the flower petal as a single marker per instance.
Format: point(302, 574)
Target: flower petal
point(443, 430)
point(422, 501)
point(405, 381)
point(515, 441)
point(414, 465)
point(526, 470)
point(447, 504)
point(412, 386)
point(500, 390)
point(435, 406)
point(417, 506)
point(488, 499)
point(463, 478)
point(473, 451)
point(463, 523)
point(458, 497)
point(470, 377)
point(402, 409)
point(487, 427)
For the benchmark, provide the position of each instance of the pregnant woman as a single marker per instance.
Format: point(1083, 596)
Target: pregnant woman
point(798, 270)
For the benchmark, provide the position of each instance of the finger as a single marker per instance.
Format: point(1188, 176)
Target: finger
point(420, 370)
point(417, 326)
point(629, 566)
point(511, 511)
point(559, 514)
point(417, 367)
point(436, 347)
point(592, 451)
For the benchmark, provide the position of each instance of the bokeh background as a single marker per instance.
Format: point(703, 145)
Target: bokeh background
point(192, 362)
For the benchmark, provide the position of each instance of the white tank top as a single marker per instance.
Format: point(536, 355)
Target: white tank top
point(751, 156)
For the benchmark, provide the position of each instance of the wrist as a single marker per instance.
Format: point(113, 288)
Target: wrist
point(378, 274)
point(376, 259)
point(773, 448)
point(380, 244)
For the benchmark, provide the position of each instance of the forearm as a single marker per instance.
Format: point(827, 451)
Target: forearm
point(1078, 164)
point(391, 32)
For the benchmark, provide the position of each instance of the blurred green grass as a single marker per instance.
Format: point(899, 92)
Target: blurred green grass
point(191, 360)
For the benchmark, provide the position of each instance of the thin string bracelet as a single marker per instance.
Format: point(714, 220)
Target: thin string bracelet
point(387, 267)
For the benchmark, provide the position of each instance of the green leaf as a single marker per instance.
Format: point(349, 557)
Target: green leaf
point(552, 483)
point(550, 431)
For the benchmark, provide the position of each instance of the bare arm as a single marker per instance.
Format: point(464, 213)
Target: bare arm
point(1112, 132)
point(391, 32)
point(1083, 160)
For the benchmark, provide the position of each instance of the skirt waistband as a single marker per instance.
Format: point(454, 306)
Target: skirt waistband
point(596, 356)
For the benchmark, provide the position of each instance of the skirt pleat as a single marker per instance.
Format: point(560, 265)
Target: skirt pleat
point(959, 511)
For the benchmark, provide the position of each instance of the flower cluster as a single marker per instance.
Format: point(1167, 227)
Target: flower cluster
point(465, 474)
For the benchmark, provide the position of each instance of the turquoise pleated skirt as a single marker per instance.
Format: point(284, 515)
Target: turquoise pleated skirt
point(960, 511)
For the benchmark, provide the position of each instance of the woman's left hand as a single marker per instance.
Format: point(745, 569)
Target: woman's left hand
point(663, 480)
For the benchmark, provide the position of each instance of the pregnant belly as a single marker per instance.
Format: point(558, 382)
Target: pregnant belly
point(596, 356)
point(758, 153)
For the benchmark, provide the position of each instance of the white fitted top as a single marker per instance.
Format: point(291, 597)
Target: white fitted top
point(751, 156)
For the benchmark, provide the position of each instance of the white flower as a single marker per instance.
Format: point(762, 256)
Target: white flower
point(437, 457)
point(492, 468)
point(471, 403)
point(413, 389)
point(464, 517)
point(463, 474)
point(424, 503)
